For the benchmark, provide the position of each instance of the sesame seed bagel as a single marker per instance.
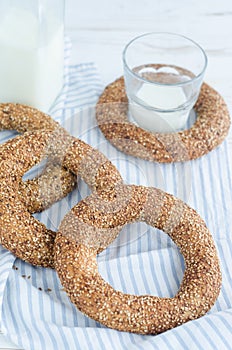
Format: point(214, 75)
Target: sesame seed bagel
point(20, 232)
point(75, 261)
point(209, 130)
point(55, 182)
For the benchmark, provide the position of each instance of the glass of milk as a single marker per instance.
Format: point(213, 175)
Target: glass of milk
point(163, 74)
point(31, 51)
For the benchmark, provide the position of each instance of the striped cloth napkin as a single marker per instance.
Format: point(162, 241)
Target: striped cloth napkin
point(35, 312)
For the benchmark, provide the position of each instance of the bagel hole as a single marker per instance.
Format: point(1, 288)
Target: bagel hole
point(35, 171)
point(142, 260)
point(7, 135)
point(53, 216)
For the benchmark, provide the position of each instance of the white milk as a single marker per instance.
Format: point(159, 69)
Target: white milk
point(159, 97)
point(31, 67)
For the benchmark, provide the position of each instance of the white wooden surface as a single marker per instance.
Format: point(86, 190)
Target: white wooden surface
point(100, 29)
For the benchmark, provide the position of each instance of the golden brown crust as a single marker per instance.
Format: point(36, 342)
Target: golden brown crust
point(93, 224)
point(22, 118)
point(20, 232)
point(209, 130)
point(76, 247)
point(54, 183)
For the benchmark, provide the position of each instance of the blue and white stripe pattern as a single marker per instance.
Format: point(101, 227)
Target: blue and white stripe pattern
point(35, 312)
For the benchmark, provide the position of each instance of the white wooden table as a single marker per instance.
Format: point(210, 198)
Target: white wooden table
point(100, 29)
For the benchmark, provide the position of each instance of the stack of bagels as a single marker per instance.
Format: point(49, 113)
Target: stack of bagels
point(94, 223)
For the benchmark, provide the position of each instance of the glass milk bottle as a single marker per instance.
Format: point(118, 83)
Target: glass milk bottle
point(31, 51)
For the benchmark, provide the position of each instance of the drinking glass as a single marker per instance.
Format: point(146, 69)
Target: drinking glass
point(163, 74)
